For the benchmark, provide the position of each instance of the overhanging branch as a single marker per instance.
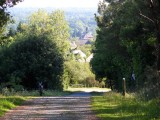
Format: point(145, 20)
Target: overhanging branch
point(146, 17)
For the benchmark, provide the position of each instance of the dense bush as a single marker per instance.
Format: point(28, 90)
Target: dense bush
point(79, 73)
point(32, 60)
point(152, 85)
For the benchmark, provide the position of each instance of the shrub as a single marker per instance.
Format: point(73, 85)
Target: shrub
point(151, 87)
point(78, 73)
point(30, 60)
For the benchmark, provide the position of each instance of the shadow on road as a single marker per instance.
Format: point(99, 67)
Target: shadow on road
point(73, 107)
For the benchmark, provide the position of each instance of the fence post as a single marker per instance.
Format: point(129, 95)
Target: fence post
point(124, 87)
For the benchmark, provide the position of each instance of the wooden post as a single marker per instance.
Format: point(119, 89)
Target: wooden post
point(124, 87)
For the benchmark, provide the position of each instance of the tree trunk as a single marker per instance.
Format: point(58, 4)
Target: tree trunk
point(158, 46)
point(155, 19)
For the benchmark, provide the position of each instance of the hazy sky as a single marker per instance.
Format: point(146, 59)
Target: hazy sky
point(59, 3)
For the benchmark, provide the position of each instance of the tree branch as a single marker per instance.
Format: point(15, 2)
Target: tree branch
point(146, 17)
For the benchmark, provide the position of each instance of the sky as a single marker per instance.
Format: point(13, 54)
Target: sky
point(59, 3)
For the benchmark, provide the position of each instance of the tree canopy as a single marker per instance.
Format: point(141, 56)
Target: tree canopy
point(127, 41)
point(37, 53)
point(4, 15)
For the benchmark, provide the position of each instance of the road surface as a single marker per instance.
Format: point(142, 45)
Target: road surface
point(73, 107)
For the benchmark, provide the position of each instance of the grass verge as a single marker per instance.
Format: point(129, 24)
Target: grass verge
point(9, 102)
point(113, 106)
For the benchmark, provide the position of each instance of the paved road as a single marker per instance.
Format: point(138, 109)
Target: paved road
point(73, 107)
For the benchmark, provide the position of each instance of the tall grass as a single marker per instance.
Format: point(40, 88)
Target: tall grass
point(113, 106)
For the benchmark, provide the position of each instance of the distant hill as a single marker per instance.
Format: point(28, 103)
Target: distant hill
point(79, 19)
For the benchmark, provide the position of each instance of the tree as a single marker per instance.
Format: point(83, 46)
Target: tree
point(123, 45)
point(61, 31)
point(5, 16)
point(38, 53)
point(54, 23)
point(109, 55)
point(36, 59)
point(150, 13)
point(77, 72)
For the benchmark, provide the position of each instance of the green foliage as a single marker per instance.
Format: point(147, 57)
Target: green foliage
point(4, 15)
point(79, 19)
point(114, 106)
point(33, 59)
point(38, 53)
point(124, 45)
point(78, 72)
point(110, 58)
point(152, 85)
point(87, 49)
point(7, 103)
